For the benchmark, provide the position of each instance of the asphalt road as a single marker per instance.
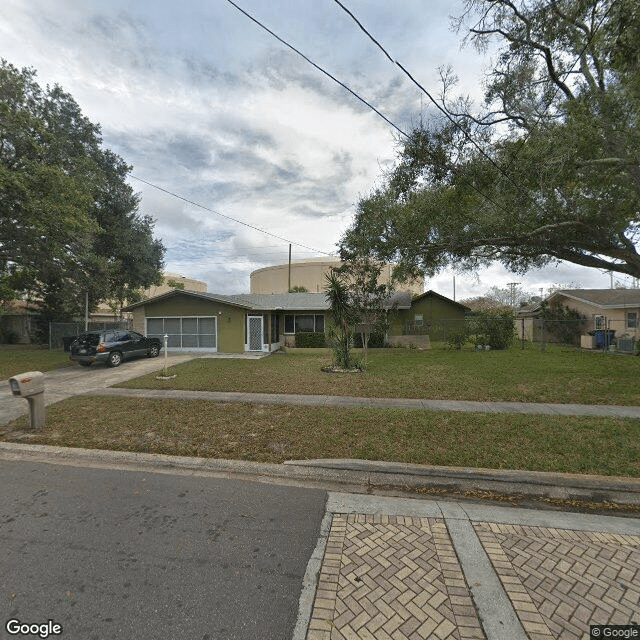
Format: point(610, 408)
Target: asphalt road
point(130, 554)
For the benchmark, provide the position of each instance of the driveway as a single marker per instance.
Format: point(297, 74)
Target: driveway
point(72, 381)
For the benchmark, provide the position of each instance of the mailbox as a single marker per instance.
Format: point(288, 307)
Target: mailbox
point(30, 385)
point(27, 384)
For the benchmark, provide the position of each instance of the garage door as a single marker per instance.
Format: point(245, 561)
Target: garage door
point(186, 332)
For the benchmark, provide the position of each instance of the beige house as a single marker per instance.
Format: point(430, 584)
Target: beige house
point(15, 322)
point(605, 309)
point(106, 313)
point(310, 274)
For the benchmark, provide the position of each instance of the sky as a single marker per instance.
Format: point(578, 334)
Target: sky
point(206, 105)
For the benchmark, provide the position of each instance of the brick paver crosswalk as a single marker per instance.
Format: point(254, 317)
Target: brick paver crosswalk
point(562, 581)
point(391, 578)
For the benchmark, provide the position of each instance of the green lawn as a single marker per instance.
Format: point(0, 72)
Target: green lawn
point(17, 360)
point(559, 375)
point(605, 446)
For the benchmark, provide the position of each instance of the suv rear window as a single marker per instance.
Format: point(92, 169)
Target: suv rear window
point(91, 339)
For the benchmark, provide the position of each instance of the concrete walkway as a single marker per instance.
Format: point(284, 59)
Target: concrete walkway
point(75, 380)
point(380, 403)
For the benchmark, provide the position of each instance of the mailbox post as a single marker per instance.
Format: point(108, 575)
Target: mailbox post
point(30, 385)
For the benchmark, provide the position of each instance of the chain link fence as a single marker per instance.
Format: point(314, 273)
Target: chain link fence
point(606, 335)
point(610, 335)
point(62, 334)
point(437, 330)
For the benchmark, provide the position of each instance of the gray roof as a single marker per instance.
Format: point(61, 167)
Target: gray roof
point(272, 301)
point(603, 298)
point(254, 301)
point(277, 301)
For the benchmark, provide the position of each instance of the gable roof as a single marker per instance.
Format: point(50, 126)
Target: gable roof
point(433, 294)
point(602, 298)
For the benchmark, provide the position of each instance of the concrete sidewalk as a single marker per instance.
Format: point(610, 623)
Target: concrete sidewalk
point(395, 569)
point(380, 403)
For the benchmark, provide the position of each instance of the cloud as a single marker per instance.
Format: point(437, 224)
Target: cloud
point(205, 104)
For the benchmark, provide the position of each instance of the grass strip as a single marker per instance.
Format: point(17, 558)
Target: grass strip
point(14, 361)
point(607, 446)
point(556, 375)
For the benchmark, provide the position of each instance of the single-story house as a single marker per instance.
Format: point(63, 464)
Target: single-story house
point(613, 309)
point(429, 314)
point(199, 321)
point(265, 322)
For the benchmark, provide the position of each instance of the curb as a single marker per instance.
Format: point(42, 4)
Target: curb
point(364, 476)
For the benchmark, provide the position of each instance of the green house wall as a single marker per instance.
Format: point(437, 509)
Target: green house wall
point(231, 320)
point(439, 318)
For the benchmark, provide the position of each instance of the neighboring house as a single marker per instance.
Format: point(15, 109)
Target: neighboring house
point(230, 323)
point(429, 314)
point(170, 281)
point(16, 321)
point(311, 274)
point(613, 309)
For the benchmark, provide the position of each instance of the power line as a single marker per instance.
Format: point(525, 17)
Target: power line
point(473, 186)
point(319, 68)
point(222, 215)
point(431, 98)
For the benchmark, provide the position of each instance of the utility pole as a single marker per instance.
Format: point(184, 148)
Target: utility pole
point(512, 292)
point(289, 289)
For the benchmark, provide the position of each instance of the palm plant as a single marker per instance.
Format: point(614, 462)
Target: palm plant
point(341, 333)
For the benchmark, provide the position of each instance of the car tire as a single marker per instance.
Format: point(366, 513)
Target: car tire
point(86, 364)
point(154, 351)
point(115, 359)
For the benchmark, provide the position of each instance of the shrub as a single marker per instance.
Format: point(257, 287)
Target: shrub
point(563, 323)
point(8, 336)
point(310, 340)
point(457, 339)
point(493, 328)
point(376, 340)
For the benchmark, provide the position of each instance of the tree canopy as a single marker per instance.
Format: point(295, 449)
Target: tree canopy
point(548, 170)
point(69, 222)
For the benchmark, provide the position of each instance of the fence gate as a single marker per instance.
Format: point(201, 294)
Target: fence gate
point(254, 333)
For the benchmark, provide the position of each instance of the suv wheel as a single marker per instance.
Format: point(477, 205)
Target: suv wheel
point(115, 358)
point(154, 351)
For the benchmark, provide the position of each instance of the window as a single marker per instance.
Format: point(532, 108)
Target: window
point(185, 332)
point(418, 319)
point(303, 323)
point(598, 322)
point(632, 320)
point(289, 324)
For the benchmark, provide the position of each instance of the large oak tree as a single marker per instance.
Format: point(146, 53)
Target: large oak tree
point(69, 222)
point(547, 170)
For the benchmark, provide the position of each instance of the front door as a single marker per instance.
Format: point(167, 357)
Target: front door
point(254, 333)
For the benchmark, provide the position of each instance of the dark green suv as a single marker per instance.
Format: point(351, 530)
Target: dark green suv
point(112, 346)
